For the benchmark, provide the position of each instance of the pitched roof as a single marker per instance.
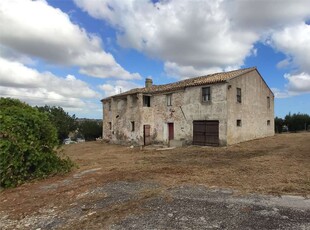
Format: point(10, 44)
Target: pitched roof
point(196, 81)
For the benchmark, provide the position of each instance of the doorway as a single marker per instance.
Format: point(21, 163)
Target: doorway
point(170, 131)
point(147, 134)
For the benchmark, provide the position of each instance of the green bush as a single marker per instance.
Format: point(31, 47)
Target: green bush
point(27, 144)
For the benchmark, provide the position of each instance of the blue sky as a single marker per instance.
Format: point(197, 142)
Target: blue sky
point(74, 53)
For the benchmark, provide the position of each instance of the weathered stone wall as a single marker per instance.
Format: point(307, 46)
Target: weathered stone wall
point(186, 107)
point(123, 111)
point(252, 111)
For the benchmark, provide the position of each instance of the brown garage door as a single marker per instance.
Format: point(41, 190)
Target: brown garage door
point(206, 133)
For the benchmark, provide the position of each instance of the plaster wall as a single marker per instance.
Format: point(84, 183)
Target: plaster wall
point(253, 111)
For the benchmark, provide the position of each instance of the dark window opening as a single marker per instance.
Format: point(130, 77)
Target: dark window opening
point(239, 95)
point(109, 106)
point(268, 122)
point(132, 126)
point(110, 125)
point(169, 99)
point(206, 94)
point(146, 101)
point(268, 102)
point(239, 123)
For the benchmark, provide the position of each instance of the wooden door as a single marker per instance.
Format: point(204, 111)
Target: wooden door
point(147, 134)
point(170, 131)
point(206, 133)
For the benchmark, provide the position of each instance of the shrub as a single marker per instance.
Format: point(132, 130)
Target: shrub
point(90, 129)
point(63, 122)
point(27, 144)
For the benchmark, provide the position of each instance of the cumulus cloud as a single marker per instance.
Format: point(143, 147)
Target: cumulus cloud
point(114, 87)
point(183, 72)
point(40, 88)
point(36, 29)
point(294, 41)
point(201, 37)
point(266, 15)
point(298, 82)
point(193, 35)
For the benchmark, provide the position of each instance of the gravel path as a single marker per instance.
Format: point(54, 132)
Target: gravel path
point(148, 205)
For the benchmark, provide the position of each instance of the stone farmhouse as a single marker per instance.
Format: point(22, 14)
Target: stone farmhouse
point(217, 109)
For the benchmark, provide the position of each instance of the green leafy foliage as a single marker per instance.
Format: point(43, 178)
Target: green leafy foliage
point(27, 144)
point(63, 122)
point(294, 122)
point(90, 129)
point(297, 122)
point(278, 124)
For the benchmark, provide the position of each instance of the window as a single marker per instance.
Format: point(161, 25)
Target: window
point(239, 123)
point(109, 106)
point(239, 95)
point(268, 102)
point(146, 101)
point(132, 126)
point(268, 122)
point(169, 99)
point(206, 94)
point(110, 125)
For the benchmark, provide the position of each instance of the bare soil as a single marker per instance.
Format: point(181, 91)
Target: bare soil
point(275, 165)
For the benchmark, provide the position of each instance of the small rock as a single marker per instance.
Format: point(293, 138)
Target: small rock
point(170, 214)
point(184, 218)
point(84, 208)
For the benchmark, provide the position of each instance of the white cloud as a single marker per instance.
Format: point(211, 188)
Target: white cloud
point(284, 63)
point(294, 41)
point(114, 87)
point(20, 81)
point(174, 70)
point(36, 29)
point(200, 37)
point(267, 15)
point(194, 35)
point(298, 83)
point(278, 93)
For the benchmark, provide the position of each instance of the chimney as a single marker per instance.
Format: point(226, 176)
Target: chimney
point(148, 82)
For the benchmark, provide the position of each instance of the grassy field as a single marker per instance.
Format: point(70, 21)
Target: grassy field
point(274, 165)
point(277, 165)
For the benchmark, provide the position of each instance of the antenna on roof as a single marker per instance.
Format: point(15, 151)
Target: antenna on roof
point(120, 90)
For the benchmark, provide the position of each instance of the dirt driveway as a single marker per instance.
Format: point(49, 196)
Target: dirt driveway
point(117, 187)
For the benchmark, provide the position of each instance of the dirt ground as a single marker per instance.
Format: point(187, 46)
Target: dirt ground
point(276, 165)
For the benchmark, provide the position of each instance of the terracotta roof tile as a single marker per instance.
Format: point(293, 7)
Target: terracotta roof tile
point(196, 81)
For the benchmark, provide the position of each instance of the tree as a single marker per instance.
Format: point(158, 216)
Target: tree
point(90, 129)
point(63, 122)
point(27, 143)
point(297, 122)
point(278, 124)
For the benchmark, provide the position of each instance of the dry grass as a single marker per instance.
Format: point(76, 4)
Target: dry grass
point(275, 165)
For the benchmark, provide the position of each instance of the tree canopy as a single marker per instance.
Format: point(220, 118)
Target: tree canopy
point(90, 129)
point(63, 122)
point(27, 144)
point(294, 122)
